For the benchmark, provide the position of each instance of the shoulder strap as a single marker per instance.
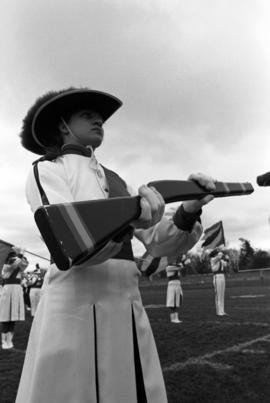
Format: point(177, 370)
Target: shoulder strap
point(43, 195)
point(50, 156)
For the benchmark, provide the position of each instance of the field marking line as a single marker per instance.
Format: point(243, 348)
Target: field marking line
point(13, 350)
point(200, 361)
point(218, 322)
point(203, 359)
point(248, 296)
point(154, 306)
point(215, 365)
point(245, 308)
point(17, 350)
point(251, 351)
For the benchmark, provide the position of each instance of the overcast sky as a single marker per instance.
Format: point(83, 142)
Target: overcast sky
point(194, 78)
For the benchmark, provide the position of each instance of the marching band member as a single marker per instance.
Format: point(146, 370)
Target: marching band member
point(91, 339)
point(26, 290)
point(186, 262)
point(36, 281)
point(11, 298)
point(219, 265)
point(174, 290)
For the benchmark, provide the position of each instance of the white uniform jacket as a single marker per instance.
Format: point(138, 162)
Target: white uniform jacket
point(91, 340)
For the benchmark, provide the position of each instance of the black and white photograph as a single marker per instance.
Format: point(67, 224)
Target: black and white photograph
point(135, 201)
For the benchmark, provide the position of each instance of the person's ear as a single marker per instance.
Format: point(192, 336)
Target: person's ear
point(62, 128)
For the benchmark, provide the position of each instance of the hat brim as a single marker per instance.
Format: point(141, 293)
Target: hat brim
point(50, 112)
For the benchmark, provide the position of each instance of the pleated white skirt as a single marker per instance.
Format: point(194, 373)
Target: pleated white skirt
point(89, 329)
point(174, 297)
point(11, 303)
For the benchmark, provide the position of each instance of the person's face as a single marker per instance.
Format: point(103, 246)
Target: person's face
point(86, 125)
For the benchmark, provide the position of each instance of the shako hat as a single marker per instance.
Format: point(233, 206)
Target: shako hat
point(45, 114)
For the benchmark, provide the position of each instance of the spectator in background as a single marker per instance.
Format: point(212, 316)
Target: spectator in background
point(219, 265)
point(11, 298)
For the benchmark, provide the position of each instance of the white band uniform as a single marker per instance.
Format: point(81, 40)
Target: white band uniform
point(81, 346)
point(174, 290)
point(174, 294)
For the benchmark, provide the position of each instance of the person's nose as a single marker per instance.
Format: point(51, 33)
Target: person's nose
point(98, 122)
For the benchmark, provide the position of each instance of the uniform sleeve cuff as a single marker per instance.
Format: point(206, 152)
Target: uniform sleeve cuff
point(185, 221)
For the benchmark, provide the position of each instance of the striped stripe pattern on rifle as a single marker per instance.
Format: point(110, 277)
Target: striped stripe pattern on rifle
point(70, 229)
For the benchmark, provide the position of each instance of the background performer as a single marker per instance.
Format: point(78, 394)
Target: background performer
point(36, 282)
point(219, 265)
point(174, 291)
point(11, 298)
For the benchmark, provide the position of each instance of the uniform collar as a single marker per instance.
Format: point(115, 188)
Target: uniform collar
point(77, 149)
point(68, 149)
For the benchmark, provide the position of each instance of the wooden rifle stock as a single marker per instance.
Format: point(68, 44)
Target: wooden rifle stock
point(74, 232)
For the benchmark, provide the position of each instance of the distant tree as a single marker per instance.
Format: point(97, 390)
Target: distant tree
point(200, 263)
point(261, 259)
point(234, 259)
point(246, 256)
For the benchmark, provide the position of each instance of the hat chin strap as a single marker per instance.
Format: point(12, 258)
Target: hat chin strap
point(70, 131)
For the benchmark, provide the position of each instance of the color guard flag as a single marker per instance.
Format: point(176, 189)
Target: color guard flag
point(213, 236)
point(152, 265)
point(5, 248)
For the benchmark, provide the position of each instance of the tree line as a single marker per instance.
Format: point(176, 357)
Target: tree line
point(245, 258)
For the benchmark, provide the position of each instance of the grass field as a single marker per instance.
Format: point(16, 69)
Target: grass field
point(205, 359)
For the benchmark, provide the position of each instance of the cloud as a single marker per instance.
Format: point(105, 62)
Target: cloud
point(194, 79)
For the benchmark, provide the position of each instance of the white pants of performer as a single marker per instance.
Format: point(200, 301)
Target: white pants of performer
point(174, 294)
point(35, 294)
point(219, 286)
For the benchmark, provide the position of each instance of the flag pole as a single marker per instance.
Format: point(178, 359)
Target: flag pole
point(6, 243)
point(26, 251)
point(223, 234)
point(34, 254)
